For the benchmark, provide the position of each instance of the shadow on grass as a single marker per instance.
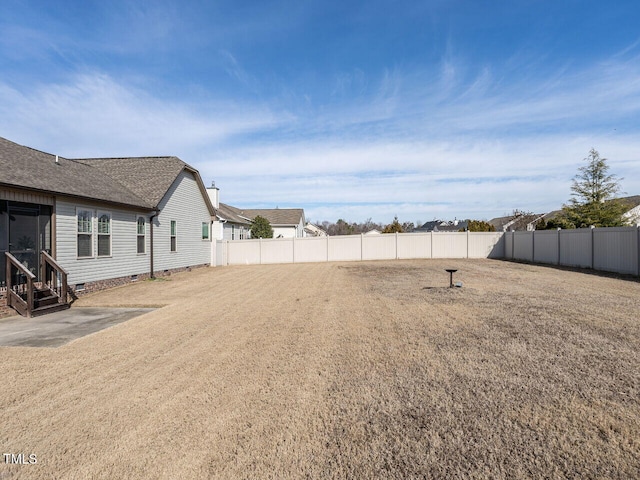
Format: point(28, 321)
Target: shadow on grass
point(585, 270)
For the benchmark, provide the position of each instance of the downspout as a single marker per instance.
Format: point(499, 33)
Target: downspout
point(154, 215)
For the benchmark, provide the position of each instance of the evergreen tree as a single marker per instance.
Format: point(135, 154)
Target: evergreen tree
point(393, 227)
point(261, 228)
point(593, 201)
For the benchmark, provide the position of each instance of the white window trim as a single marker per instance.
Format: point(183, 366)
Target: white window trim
point(173, 236)
point(208, 237)
point(144, 235)
point(98, 234)
point(90, 234)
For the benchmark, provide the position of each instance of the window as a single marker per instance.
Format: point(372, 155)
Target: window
point(233, 232)
point(174, 246)
point(104, 234)
point(85, 234)
point(205, 230)
point(141, 234)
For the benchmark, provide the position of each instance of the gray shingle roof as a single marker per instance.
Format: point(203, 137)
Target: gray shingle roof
point(276, 216)
point(632, 201)
point(141, 182)
point(232, 214)
point(148, 177)
point(26, 167)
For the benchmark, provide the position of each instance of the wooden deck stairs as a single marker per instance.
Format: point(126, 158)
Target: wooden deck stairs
point(29, 297)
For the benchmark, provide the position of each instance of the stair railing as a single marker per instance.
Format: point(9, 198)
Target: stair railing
point(19, 286)
point(54, 277)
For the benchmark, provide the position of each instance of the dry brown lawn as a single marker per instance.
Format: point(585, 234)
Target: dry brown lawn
point(352, 370)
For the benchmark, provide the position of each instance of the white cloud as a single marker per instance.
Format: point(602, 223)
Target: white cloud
point(94, 115)
point(397, 147)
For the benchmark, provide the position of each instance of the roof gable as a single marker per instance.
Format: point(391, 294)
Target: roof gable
point(149, 177)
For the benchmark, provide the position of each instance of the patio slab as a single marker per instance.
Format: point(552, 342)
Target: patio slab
point(59, 328)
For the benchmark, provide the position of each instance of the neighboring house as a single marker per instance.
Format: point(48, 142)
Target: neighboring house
point(312, 230)
point(633, 215)
point(234, 225)
point(286, 222)
point(105, 220)
point(517, 222)
point(373, 231)
point(229, 223)
point(443, 226)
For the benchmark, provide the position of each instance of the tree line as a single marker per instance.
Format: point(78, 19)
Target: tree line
point(343, 227)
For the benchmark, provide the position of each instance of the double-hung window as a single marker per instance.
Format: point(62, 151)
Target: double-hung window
point(85, 233)
point(205, 230)
point(104, 234)
point(174, 240)
point(141, 225)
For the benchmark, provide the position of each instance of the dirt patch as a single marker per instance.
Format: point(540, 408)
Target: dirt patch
point(355, 370)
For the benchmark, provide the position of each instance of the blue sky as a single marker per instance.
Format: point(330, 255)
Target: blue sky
point(354, 110)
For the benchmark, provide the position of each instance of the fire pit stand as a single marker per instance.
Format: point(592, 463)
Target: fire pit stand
point(451, 272)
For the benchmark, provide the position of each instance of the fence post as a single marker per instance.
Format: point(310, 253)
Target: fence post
point(327, 247)
point(396, 245)
point(294, 249)
point(559, 245)
point(431, 243)
point(260, 250)
point(513, 244)
point(361, 246)
point(592, 247)
point(467, 243)
point(533, 246)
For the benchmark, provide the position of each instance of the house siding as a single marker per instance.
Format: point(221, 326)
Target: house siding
point(185, 204)
point(124, 259)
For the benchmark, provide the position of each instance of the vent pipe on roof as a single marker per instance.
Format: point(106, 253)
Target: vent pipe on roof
point(57, 160)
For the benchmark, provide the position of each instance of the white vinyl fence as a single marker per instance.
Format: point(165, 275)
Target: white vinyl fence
point(360, 247)
point(607, 249)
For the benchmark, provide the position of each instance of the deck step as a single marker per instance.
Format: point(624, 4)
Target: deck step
point(56, 307)
point(44, 301)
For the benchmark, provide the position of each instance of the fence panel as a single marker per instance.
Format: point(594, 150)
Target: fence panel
point(379, 247)
point(449, 245)
point(277, 250)
point(546, 246)
point(616, 250)
point(508, 246)
point(243, 252)
point(344, 248)
point(311, 249)
point(575, 248)
point(522, 246)
point(486, 245)
point(414, 245)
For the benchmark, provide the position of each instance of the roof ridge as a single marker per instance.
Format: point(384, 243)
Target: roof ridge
point(127, 158)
